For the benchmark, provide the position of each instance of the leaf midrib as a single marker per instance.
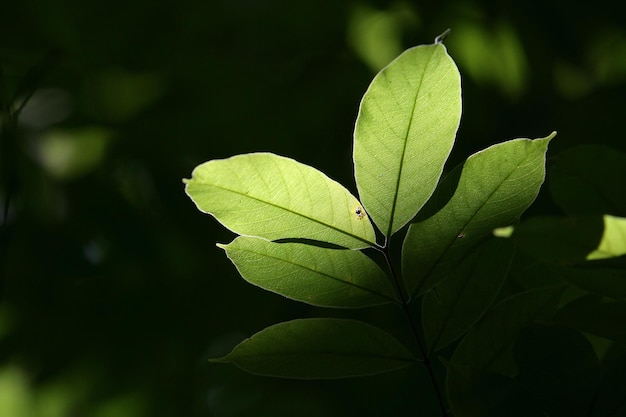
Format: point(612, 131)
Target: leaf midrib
point(465, 224)
point(321, 273)
point(243, 194)
point(404, 146)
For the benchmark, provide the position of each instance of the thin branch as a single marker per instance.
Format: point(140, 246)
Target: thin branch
point(413, 326)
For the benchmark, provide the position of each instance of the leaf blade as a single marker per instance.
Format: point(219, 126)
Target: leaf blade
point(473, 392)
point(274, 197)
point(456, 303)
point(596, 315)
point(491, 189)
point(489, 344)
point(310, 274)
point(320, 348)
point(405, 130)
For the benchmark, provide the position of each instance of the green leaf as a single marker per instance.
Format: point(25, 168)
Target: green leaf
point(584, 180)
point(273, 197)
point(491, 189)
point(559, 367)
point(489, 344)
point(613, 242)
point(596, 315)
point(404, 132)
point(311, 274)
point(454, 305)
point(476, 393)
point(559, 240)
point(321, 348)
point(604, 279)
point(527, 272)
point(587, 251)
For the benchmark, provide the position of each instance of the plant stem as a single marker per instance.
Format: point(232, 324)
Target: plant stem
point(404, 304)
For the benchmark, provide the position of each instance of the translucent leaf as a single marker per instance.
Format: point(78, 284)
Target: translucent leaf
point(454, 305)
point(584, 180)
point(491, 189)
point(405, 130)
point(489, 344)
point(311, 274)
point(613, 242)
point(320, 348)
point(273, 197)
point(559, 367)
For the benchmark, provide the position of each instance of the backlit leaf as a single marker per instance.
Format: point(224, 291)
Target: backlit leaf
point(491, 189)
point(454, 305)
point(273, 197)
point(311, 274)
point(613, 242)
point(320, 349)
point(404, 133)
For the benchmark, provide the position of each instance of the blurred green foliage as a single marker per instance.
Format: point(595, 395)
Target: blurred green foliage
point(113, 294)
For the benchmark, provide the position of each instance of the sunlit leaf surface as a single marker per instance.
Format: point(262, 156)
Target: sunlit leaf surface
point(491, 189)
point(404, 133)
point(314, 275)
point(613, 242)
point(273, 197)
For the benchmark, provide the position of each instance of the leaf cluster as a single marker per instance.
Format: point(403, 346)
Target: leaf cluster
point(502, 305)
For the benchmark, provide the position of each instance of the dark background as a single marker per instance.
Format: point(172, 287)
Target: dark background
point(113, 293)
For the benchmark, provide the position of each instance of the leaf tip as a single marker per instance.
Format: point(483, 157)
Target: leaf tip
point(546, 140)
point(439, 39)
